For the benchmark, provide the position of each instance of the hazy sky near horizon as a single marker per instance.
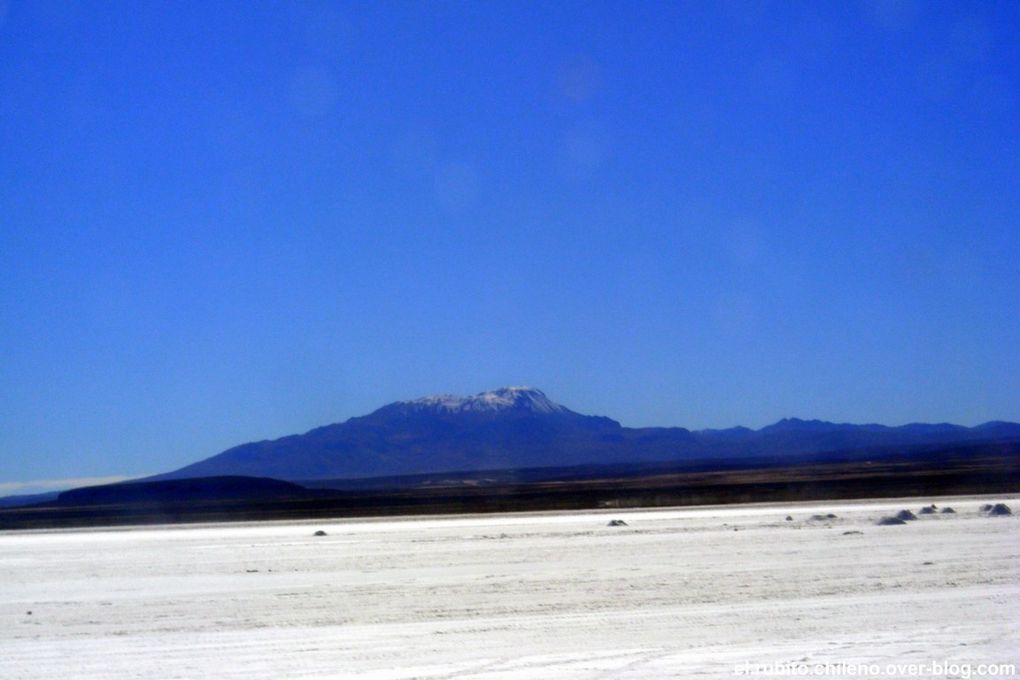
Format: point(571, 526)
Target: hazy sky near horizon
point(229, 221)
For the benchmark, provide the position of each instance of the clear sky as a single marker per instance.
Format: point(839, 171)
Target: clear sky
point(229, 221)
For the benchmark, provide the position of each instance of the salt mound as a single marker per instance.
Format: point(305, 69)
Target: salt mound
point(889, 521)
point(927, 510)
point(905, 515)
point(947, 511)
point(320, 532)
point(1000, 510)
point(616, 523)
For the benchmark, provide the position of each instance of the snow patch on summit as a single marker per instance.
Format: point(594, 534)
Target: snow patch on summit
point(518, 397)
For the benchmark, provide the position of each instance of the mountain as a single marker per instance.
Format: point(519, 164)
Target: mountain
point(520, 427)
point(505, 428)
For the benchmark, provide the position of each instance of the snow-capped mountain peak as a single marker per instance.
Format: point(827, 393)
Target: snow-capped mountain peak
point(504, 398)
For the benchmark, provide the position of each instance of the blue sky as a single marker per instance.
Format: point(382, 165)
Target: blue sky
point(222, 222)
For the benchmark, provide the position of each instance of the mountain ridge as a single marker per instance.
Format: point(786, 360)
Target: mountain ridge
point(520, 427)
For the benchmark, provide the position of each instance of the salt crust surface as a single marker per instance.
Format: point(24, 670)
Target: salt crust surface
point(685, 593)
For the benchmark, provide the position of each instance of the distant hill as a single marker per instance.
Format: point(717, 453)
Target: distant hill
point(521, 428)
point(207, 489)
point(21, 500)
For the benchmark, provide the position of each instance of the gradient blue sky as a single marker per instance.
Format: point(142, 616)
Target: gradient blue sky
point(229, 221)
